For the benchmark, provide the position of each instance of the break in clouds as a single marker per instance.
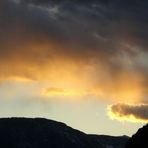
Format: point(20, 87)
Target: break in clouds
point(98, 45)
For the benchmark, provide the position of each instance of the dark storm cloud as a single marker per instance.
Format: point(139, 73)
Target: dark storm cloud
point(124, 110)
point(110, 33)
point(96, 24)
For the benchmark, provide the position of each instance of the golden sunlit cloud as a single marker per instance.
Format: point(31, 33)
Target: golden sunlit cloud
point(130, 113)
point(52, 91)
point(19, 79)
point(127, 84)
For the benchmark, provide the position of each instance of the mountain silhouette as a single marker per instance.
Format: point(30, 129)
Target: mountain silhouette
point(140, 139)
point(43, 133)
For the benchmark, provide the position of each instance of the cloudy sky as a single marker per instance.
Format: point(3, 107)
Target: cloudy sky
point(84, 63)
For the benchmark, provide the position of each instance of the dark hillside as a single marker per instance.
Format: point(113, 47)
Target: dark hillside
point(140, 139)
point(42, 133)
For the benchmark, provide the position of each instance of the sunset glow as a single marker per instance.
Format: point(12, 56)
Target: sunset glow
point(93, 52)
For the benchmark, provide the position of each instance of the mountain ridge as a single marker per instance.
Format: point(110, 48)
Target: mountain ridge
point(42, 133)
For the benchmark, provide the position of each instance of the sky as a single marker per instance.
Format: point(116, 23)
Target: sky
point(83, 63)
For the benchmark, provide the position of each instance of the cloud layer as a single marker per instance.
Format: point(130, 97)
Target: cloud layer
point(38, 35)
point(97, 45)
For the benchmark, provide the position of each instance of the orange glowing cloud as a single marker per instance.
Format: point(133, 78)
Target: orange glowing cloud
point(52, 91)
point(127, 87)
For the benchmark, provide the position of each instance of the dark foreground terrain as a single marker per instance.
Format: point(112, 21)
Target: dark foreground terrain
point(140, 139)
point(43, 133)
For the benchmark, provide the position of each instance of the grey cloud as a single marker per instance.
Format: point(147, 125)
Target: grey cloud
point(90, 31)
point(125, 110)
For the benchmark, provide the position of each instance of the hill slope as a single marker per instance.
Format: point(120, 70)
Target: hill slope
point(42, 133)
point(140, 139)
